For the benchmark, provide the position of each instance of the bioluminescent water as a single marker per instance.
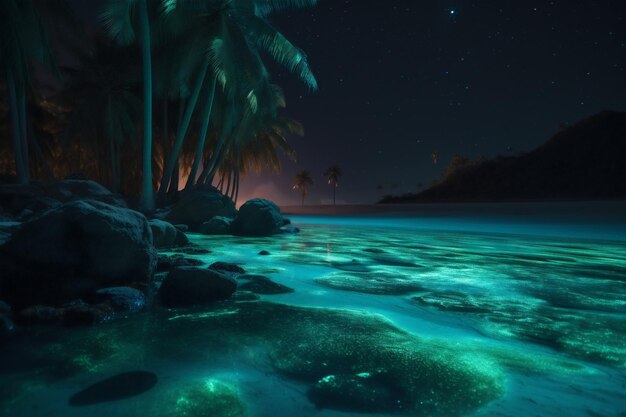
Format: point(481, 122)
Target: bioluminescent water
point(360, 316)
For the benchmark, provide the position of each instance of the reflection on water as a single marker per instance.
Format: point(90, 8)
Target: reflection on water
point(384, 319)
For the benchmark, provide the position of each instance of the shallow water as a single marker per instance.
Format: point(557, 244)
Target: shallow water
point(447, 317)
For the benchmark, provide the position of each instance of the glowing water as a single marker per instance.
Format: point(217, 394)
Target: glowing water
point(532, 311)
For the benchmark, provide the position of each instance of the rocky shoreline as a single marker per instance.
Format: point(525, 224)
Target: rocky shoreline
point(73, 254)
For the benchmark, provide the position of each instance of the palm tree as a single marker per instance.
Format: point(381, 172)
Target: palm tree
point(118, 17)
point(104, 106)
point(302, 181)
point(24, 36)
point(333, 175)
point(240, 73)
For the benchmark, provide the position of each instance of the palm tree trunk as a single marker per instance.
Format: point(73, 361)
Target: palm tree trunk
point(24, 133)
point(334, 194)
point(146, 202)
point(191, 180)
point(236, 197)
point(173, 188)
point(228, 183)
point(114, 173)
point(22, 177)
point(44, 161)
point(303, 194)
point(180, 135)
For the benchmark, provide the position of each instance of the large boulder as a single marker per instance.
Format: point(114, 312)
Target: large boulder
point(258, 217)
point(166, 235)
point(24, 200)
point(200, 205)
point(218, 225)
point(70, 251)
point(186, 286)
point(71, 189)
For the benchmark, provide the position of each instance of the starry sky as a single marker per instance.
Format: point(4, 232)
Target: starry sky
point(400, 79)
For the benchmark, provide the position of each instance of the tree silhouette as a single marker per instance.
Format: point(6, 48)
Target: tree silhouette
point(302, 181)
point(333, 175)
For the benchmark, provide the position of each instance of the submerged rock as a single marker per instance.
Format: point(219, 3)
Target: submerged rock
point(200, 205)
point(191, 249)
point(167, 262)
point(383, 283)
point(186, 286)
point(115, 388)
point(264, 253)
point(260, 284)
point(207, 398)
point(258, 217)
point(72, 250)
point(122, 299)
point(226, 267)
point(40, 315)
point(360, 393)
point(590, 335)
point(83, 314)
point(409, 374)
point(218, 225)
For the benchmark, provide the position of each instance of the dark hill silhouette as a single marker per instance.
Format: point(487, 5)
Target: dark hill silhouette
point(584, 161)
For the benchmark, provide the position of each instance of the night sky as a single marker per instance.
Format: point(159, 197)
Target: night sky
point(401, 78)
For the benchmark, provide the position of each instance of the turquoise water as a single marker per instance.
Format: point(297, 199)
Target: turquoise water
point(388, 316)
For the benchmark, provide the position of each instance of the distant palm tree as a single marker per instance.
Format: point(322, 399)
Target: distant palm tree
point(333, 175)
point(302, 180)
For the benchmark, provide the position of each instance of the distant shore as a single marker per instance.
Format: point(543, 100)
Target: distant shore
point(613, 208)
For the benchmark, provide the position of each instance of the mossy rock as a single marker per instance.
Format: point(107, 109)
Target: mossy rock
point(208, 398)
point(309, 344)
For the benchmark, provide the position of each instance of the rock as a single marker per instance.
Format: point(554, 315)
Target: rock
point(122, 299)
point(190, 250)
point(258, 217)
point(264, 253)
point(260, 284)
point(357, 393)
point(72, 250)
point(218, 225)
point(241, 296)
point(200, 205)
point(74, 189)
point(165, 234)
point(166, 263)
point(6, 326)
point(187, 286)
point(38, 315)
point(14, 198)
point(290, 230)
point(226, 267)
point(83, 314)
point(182, 227)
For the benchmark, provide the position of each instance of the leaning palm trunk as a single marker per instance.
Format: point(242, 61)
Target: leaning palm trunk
point(146, 202)
point(22, 174)
point(23, 132)
point(191, 180)
point(182, 132)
